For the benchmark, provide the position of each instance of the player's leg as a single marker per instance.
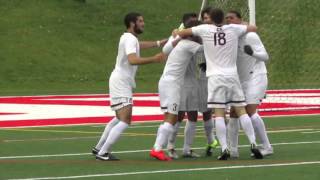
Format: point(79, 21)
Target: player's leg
point(221, 132)
point(189, 133)
point(217, 99)
point(124, 114)
point(255, 92)
point(164, 131)
point(260, 129)
point(169, 102)
point(172, 138)
point(208, 125)
point(233, 133)
point(104, 135)
point(247, 127)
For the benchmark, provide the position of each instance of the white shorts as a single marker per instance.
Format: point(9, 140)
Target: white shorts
point(255, 88)
point(169, 93)
point(223, 91)
point(120, 90)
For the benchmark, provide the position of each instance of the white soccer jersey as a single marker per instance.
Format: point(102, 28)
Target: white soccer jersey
point(220, 47)
point(255, 64)
point(179, 59)
point(128, 44)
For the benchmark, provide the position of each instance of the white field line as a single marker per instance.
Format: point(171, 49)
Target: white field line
point(138, 151)
point(199, 128)
point(50, 139)
point(312, 132)
point(177, 170)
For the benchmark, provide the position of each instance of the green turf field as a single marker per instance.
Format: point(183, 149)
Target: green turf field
point(69, 47)
point(65, 152)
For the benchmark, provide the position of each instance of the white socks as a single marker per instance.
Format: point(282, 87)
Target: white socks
point(221, 132)
point(106, 132)
point(208, 129)
point(189, 133)
point(248, 128)
point(114, 135)
point(260, 130)
point(165, 130)
point(173, 137)
point(233, 133)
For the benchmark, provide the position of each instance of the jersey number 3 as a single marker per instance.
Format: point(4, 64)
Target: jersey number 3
point(220, 38)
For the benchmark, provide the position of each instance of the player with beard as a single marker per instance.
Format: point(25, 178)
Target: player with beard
point(122, 82)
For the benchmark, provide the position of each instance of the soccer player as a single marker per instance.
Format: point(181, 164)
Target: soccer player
point(170, 85)
point(252, 71)
point(220, 47)
point(194, 95)
point(122, 82)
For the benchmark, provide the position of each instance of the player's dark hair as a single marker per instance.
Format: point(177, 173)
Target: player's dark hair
point(192, 23)
point(187, 16)
point(131, 17)
point(205, 11)
point(237, 13)
point(217, 16)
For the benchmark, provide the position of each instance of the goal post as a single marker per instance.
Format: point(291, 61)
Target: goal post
point(252, 11)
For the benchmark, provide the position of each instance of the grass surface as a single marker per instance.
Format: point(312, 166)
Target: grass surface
point(68, 47)
point(286, 133)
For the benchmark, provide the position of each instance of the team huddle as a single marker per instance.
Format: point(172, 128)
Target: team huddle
point(213, 65)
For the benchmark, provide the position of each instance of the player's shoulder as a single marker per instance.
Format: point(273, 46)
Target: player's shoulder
point(252, 36)
point(233, 26)
point(129, 36)
point(202, 26)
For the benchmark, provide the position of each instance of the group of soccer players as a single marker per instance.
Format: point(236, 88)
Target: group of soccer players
point(210, 66)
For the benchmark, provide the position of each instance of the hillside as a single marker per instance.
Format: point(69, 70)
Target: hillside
point(69, 47)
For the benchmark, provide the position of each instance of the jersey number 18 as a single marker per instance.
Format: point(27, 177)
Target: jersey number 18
point(219, 38)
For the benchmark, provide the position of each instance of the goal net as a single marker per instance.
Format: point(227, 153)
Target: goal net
point(289, 32)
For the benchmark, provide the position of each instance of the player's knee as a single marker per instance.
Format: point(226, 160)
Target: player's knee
point(251, 109)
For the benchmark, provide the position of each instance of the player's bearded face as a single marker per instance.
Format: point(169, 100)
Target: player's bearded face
point(139, 25)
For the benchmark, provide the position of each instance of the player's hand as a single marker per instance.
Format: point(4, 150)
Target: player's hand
point(163, 42)
point(203, 67)
point(160, 57)
point(248, 49)
point(175, 32)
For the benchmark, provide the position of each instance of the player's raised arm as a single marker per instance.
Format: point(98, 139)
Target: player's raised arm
point(183, 33)
point(136, 60)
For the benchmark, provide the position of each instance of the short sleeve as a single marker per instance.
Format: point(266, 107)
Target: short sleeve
point(239, 29)
point(130, 46)
point(199, 30)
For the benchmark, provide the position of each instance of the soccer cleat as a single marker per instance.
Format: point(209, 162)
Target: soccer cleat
point(160, 155)
point(95, 151)
point(224, 155)
point(191, 154)
point(256, 152)
point(107, 157)
point(266, 151)
point(211, 147)
point(173, 153)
